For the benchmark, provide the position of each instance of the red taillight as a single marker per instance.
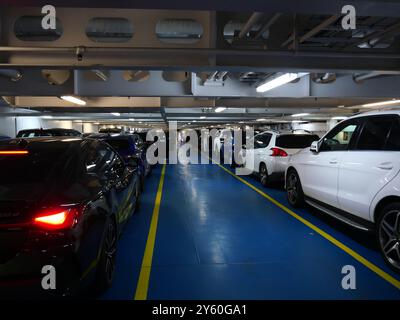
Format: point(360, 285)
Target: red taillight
point(13, 152)
point(276, 152)
point(56, 219)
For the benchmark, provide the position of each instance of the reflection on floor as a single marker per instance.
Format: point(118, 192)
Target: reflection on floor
point(219, 239)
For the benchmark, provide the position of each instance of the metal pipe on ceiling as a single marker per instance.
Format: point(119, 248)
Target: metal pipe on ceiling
point(318, 28)
point(376, 35)
point(13, 75)
point(254, 18)
point(101, 74)
point(365, 76)
point(271, 21)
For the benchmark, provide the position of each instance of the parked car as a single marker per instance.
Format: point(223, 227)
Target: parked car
point(352, 174)
point(128, 146)
point(56, 132)
point(269, 156)
point(143, 136)
point(110, 130)
point(63, 203)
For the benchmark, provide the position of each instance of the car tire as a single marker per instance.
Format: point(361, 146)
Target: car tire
point(264, 177)
point(294, 190)
point(107, 261)
point(388, 234)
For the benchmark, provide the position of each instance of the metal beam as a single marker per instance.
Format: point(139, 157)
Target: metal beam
point(317, 29)
point(198, 59)
point(390, 8)
point(268, 25)
point(254, 19)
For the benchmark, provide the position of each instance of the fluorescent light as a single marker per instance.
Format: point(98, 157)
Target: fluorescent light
point(298, 121)
point(194, 121)
point(203, 117)
point(241, 121)
point(74, 100)
point(339, 118)
point(220, 109)
point(47, 117)
point(382, 103)
point(261, 120)
point(117, 114)
point(131, 119)
point(279, 81)
point(300, 114)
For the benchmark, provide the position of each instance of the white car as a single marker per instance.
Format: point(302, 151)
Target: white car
point(269, 155)
point(352, 174)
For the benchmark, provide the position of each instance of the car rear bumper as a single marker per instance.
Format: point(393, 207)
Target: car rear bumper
point(21, 276)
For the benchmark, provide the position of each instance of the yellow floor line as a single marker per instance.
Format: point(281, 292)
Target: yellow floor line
point(328, 237)
point(144, 277)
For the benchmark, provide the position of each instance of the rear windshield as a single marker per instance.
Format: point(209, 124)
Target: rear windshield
point(31, 134)
point(24, 176)
point(295, 141)
point(119, 144)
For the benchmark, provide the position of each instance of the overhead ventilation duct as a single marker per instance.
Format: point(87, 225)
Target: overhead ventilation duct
point(323, 77)
point(13, 75)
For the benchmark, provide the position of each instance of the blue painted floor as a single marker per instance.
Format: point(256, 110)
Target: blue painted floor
point(219, 239)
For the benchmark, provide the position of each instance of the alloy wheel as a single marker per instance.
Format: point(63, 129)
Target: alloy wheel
point(110, 250)
point(291, 187)
point(389, 237)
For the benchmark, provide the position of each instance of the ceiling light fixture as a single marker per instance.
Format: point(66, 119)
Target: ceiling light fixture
point(300, 114)
point(381, 103)
point(261, 120)
point(279, 81)
point(74, 100)
point(220, 109)
point(203, 117)
point(339, 118)
point(117, 114)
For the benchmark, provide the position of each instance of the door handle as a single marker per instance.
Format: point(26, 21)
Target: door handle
point(333, 161)
point(386, 166)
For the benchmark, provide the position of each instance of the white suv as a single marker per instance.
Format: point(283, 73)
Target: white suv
point(269, 155)
point(352, 174)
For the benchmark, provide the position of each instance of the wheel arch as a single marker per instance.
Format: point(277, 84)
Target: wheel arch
point(383, 203)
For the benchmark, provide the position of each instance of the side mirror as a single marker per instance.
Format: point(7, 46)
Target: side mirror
point(314, 146)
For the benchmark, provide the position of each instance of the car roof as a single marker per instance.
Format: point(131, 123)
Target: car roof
point(377, 113)
point(38, 141)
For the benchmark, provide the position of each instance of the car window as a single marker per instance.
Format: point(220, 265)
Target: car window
point(340, 137)
point(262, 140)
point(119, 144)
point(98, 159)
point(374, 133)
point(393, 141)
point(295, 141)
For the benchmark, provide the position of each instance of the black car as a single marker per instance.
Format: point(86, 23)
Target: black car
point(31, 133)
point(128, 146)
point(63, 203)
